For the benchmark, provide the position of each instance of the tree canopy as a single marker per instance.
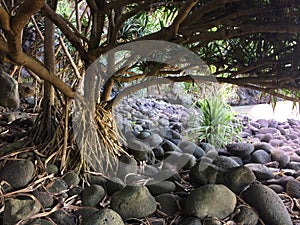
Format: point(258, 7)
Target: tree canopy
point(249, 43)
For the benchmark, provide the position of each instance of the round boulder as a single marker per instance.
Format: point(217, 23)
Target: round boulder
point(133, 202)
point(18, 173)
point(103, 216)
point(240, 149)
point(212, 200)
point(268, 204)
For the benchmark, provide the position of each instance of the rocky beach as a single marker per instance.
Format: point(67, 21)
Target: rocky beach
point(168, 177)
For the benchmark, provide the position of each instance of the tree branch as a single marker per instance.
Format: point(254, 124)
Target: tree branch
point(70, 35)
point(182, 15)
point(39, 69)
point(26, 10)
point(5, 20)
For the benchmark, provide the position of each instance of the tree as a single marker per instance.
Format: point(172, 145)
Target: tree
point(249, 43)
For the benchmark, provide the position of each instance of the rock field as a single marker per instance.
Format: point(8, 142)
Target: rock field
point(167, 179)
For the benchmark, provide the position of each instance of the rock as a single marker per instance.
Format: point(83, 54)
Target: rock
point(92, 195)
point(9, 94)
point(162, 187)
point(240, 149)
point(41, 222)
point(294, 165)
point(280, 156)
point(237, 179)
point(246, 216)
point(276, 142)
point(169, 146)
point(71, 178)
point(264, 137)
point(154, 140)
point(159, 152)
point(212, 221)
point(202, 174)
point(167, 204)
point(45, 198)
point(268, 205)
point(133, 202)
point(206, 146)
point(16, 210)
point(190, 221)
point(18, 173)
point(103, 217)
point(186, 161)
point(268, 130)
point(57, 186)
point(264, 146)
point(51, 168)
point(277, 188)
point(282, 181)
point(192, 148)
point(62, 217)
point(237, 159)
point(9, 117)
point(223, 162)
point(260, 156)
point(141, 151)
point(212, 200)
point(293, 188)
point(113, 185)
point(261, 171)
point(263, 123)
point(127, 165)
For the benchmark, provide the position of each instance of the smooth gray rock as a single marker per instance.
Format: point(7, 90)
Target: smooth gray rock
point(192, 148)
point(63, 217)
point(167, 203)
point(127, 165)
point(162, 187)
point(16, 210)
point(186, 161)
point(57, 186)
point(246, 216)
point(240, 149)
point(293, 188)
point(224, 162)
point(154, 140)
point(260, 156)
point(202, 174)
point(268, 204)
point(71, 178)
point(261, 171)
point(45, 198)
point(212, 200)
point(92, 195)
point(18, 173)
point(190, 221)
point(103, 217)
point(141, 151)
point(169, 146)
point(280, 156)
point(9, 94)
point(264, 146)
point(237, 179)
point(133, 202)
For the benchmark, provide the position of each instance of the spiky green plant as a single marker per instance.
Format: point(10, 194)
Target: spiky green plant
point(218, 123)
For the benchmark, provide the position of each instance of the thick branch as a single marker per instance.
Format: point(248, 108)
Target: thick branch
point(182, 15)
point(38, 68)
point(26, 10)
point(4, 20)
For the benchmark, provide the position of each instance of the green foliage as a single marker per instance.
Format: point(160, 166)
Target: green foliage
point(218, 123)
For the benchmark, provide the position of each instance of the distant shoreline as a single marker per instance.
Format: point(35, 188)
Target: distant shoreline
point(284, 110)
